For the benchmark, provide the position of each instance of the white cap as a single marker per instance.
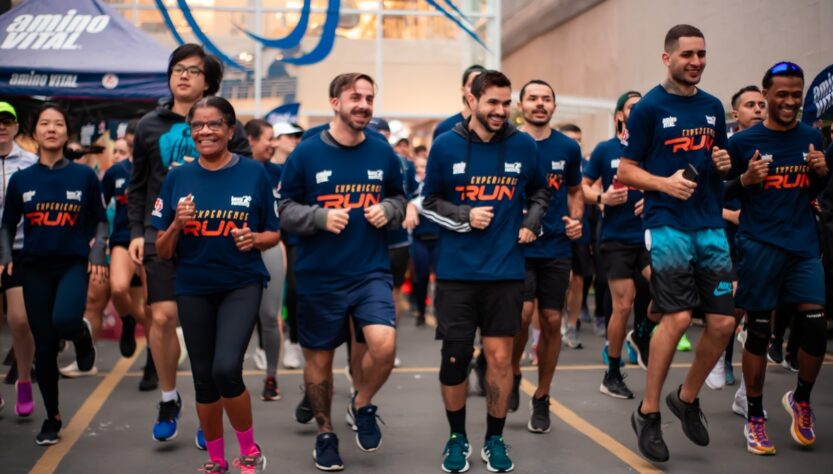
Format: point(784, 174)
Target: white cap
point(285, 128)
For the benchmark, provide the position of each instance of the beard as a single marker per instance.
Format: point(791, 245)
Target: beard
point(347, 118)
point(682, 79)
point(484, 120)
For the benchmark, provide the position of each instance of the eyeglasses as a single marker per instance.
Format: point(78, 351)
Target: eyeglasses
point(213, 125)
point(191, 70)
point(785, 66)
point(7, 122)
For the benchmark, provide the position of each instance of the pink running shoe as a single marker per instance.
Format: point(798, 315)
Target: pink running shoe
point(25, 403)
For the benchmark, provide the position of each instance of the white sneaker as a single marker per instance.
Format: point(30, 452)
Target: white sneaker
point(183, 351)
point(397, 362)
point(717, 377)
point(260, 359)
point(292, 355)
point(741, 406)
point(571, 338)
point(71, 371)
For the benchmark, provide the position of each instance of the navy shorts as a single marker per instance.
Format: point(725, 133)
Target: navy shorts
point(770, 277)
point(323, 319)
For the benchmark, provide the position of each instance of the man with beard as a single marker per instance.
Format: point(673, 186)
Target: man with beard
point(547, 259)
point(622, 248)
point(781, 169)
point(674, 150)
point(478, 177)
point(340, 190)
point(446, 125)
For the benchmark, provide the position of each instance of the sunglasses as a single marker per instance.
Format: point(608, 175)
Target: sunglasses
point(785, 66)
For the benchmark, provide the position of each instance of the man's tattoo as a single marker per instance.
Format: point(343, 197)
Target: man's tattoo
point(320, 399)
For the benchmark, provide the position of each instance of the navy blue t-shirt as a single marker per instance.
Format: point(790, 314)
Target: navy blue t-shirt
point(619, 224)
point(666, 133)
point(114, 184)
point(447, 125)
point(494, 174)
point(61, 208)
point(559, 158)
point(333, 176)
point(778, 211)
point(238, 196)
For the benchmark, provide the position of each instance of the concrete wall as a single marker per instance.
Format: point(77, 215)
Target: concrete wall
point(616, 45)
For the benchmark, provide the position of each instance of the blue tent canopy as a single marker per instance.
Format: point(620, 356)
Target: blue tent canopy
point(78, 48)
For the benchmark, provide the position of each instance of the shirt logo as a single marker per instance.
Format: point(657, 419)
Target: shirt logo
point(723, 288)
point(378, 175)
point(768, 157)
point(28, 195)
point(323, 176)
point(157, 207)
point(669, 122)
point(615, 163)
point(711, 119)
point(120, 182)
point(558, 165)
point(458, 168)
point(74, 195)
point(804, 155)
point(511, 167)
point(242, 201)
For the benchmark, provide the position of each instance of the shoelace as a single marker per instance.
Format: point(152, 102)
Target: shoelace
point(246, 463)
point(211, 467)
point(457, 446)
point(693, 412)
point(364, 422)
point(329, 447)
point(759, 432)
point(167, 411)
point(805, 415)
point(499, 448)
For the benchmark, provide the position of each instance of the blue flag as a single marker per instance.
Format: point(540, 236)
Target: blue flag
point(819, 101)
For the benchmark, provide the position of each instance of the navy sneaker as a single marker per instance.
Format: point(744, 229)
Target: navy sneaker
point(326, 454)
point(368, 434)
point(165, 427)
point(199, 439)
point(494, 454)
point(456, 454)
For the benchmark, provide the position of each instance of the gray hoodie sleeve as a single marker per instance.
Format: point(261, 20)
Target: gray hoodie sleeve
point(445, 214)
point(301, 219)
point(394, 208)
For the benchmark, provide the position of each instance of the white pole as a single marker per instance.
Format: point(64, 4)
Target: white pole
point(258, 58)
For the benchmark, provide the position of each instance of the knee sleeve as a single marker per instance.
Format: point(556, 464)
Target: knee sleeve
point(813, 332)
point(758, 330)
point(454, 368)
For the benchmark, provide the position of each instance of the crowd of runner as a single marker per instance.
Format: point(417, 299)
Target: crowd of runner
point(204, 229)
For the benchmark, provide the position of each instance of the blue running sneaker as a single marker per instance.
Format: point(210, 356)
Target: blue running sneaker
point(606, 360)
point(633, 358)
point(368, 434)
point(456, 454)
point(326, 454)
point(199, 439)
point(165, 427)
point(495, 456)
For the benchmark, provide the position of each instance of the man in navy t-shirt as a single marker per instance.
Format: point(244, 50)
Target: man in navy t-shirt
point(547, 259)
point(674, 150)
point(479, 177)
point(782, 169)
point(449, 123)
point(340, 190)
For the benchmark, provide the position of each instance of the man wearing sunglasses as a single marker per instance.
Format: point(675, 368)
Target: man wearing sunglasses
point(781, 169)
point(674, 150)
point(163, 140)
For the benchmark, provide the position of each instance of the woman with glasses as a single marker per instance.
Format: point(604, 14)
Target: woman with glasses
point(216, 215)
point(61, 206)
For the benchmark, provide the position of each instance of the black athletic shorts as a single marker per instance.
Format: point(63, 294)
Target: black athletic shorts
point(582, 259)
point(399, 258)
point(547, 280)
point(623, 261)
point(11, 281)
point(161, 276)
point(462, 307)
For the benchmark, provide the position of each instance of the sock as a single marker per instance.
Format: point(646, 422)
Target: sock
point(802, 391)
point(644, 329)
point(536, 335)
point(170, 396)
point(613, 366)
point(756, 406)
point(494, 426)
point(516, 381)
point(149, 359)
point(457, 420)
point(246, 440)
point(216, 450)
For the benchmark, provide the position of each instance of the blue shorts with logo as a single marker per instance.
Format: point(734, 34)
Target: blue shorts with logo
point(323, 319)
point(690, 270)
point(770, 277)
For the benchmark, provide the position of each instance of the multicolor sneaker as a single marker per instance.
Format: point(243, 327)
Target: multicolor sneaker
point(214, 467)
point(325, 454)
point(494, 454)
point(642, 348)
point(803, 420)
point(25, 404)
point(199, 439)
point(757, 441)
point(606, 356)
point(684, 345)
point(633, 358)
point(165, 427)
point(254, 464)
point(456, 454)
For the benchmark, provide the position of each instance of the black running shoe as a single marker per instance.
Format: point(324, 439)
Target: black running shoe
point(614, 385)
point(691, 417)
point(271, 392)
point(539, 415)
point(85, 349)
point(775, 353)
point(641, 346)
point(648, 429)
point(127, 341)
point(150, 381)
point(515, 396)
point(49, 432)
point(303, 412)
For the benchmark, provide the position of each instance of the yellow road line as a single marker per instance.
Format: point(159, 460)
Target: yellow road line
point(53, 456)
point(596, 435)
